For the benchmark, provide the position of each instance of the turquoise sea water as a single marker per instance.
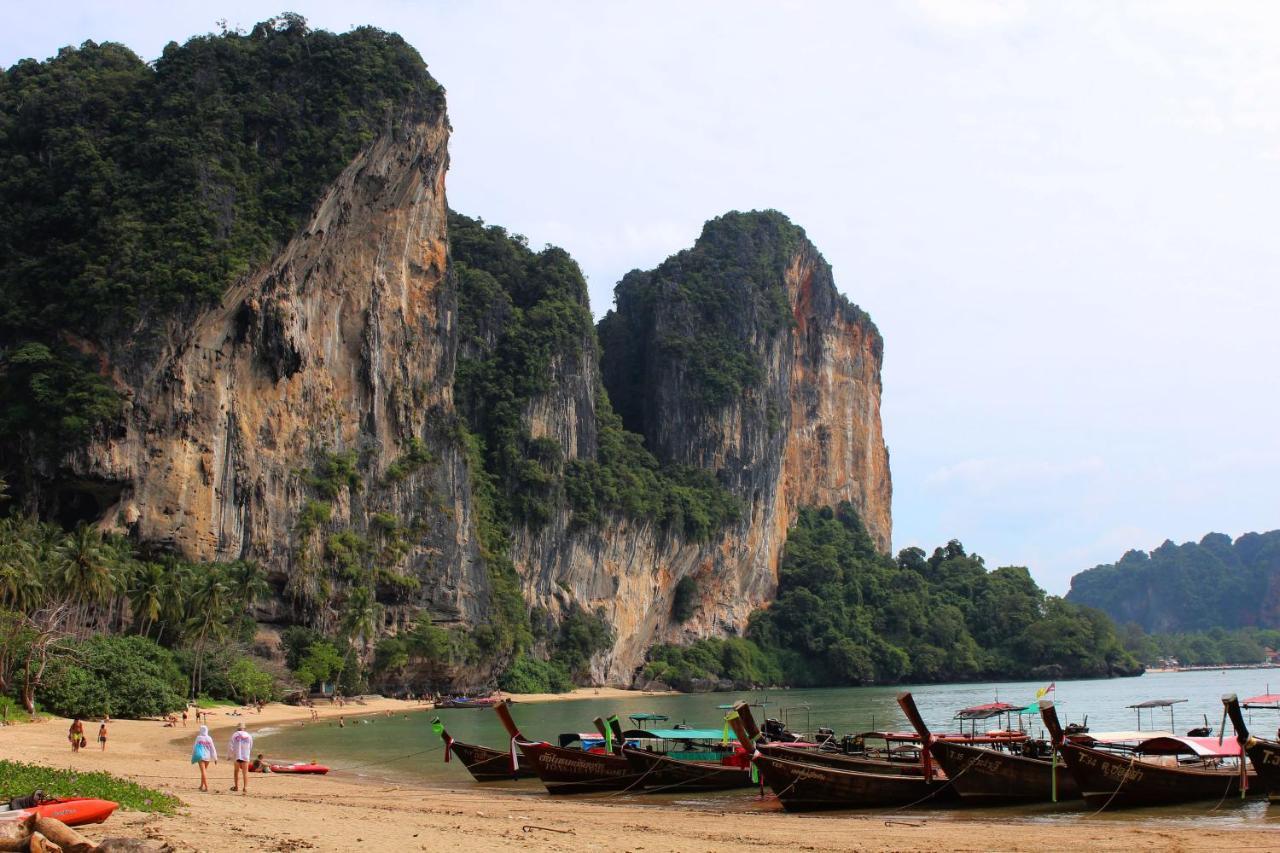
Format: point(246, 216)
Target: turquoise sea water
point(403, 748)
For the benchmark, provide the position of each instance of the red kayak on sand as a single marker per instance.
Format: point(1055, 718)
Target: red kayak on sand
point(73, 811)
point(316, 769)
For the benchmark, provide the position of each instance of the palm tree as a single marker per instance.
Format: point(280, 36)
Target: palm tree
point(20, 566)
point(361, 617)
point(85, 571)
point(211, 606)
point(247, 583)
point(147, 595)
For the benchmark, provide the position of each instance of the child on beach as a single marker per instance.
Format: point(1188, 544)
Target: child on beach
point(102, 734)
point(202, 753)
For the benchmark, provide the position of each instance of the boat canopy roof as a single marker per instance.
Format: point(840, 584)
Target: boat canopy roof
point(983, 712)
point(1156, 703)
point(683, 734)
point(648, 716)
point(1121, 737)
point(1266, 700)
point(1205, 747)
point(891, 736)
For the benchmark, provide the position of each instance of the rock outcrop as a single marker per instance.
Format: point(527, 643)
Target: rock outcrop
point(308, 419)
point(805, 431)
point(341, 348)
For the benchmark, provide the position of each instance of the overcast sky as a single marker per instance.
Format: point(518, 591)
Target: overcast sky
point(1063, 220)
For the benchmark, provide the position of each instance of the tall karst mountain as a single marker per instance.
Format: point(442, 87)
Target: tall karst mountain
point(394, 395)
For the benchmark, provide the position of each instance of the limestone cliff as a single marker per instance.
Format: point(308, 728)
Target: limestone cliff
point(802, 428)
point(405, 405)
point(341, 348)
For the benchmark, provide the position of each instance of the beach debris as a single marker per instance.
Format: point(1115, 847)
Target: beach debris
point(529, 826)
point(34, 834)
point(132, 845)
point(40, 844)
point(15, 834)
point(68, 839)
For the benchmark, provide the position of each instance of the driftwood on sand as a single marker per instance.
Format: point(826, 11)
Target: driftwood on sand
point(34, 834)
point(15, 834)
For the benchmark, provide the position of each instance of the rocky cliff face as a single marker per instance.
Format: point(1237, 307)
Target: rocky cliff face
point(803, 429)
point(308, 420)
point(338, 355)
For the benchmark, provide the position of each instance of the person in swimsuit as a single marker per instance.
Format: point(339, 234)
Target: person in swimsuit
point(102, 734)
point(259, 766)
point(203, 752)
point(75, 734)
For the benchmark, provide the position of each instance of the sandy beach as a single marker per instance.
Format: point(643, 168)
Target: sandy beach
point(283, 813)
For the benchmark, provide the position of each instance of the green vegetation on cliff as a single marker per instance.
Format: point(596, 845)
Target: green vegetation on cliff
point(525, 325)
point(130, 190)
point(1195, 586)
point(846, 614)
point(733, 275)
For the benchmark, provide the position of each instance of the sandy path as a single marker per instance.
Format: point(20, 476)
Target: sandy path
point(330, 813)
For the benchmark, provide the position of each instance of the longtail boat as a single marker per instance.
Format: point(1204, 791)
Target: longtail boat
point(1263, 754)
point(748, 732)
point(682, 759)
point(1124, 769)
point(569, 771)
point(986, 770)
point(810, 779)
point(485, 764)
point(802, 786)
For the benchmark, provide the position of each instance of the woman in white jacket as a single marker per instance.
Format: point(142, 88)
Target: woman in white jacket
point(202, 753)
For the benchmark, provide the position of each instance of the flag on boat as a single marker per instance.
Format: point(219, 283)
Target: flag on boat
point(1045, 691)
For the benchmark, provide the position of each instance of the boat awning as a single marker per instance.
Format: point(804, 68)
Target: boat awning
point(983, 712)
point(685, 734)
point(1266, 700)
point(649, 717)
point(1205, 747)
point(1156, 703)
point(895, 736)
point(1110, 738)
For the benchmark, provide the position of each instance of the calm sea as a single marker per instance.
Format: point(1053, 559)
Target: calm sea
point(393, 747)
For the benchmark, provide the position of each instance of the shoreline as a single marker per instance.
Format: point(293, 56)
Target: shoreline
point(343, 811)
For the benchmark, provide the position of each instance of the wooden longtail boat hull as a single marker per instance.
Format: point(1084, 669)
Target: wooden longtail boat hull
point(840, 761)
point(987, 775)
point(1264, 755)
point(489, 765)
point(1117, 781)
point(1264, 758)
point(810, 787)
point(659, 772)
point(572, 771)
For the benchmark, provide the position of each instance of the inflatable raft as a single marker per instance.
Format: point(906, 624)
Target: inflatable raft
point(314, 769)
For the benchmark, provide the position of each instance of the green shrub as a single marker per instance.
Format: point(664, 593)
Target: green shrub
point(127, 677)
point(19, 779)
point(684, 603)
point(530, 675)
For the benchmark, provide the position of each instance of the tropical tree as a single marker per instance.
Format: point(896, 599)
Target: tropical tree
point(147, 594)
point(361, 616)
point(211, 606)
point(85, 572)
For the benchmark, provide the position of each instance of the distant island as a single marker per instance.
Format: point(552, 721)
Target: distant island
point(1203, 603)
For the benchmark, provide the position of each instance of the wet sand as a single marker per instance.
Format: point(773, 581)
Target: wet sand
point(333, 813)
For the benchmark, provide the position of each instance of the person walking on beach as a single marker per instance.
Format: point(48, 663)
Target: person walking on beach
point(75, 734)
point(241, 751)
point(102, 734)
point(202, 753)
